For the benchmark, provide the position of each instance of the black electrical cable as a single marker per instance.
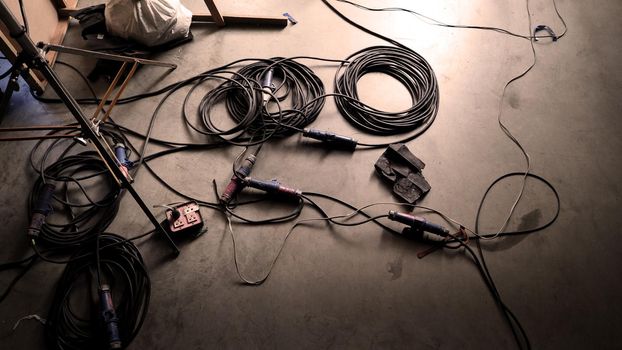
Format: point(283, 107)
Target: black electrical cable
point(122, 268)
point(515, 325)
point(432, 21)
point(83, 211)
point(31, 260)
point(173, 86)
point(242, 124)
point(292, 81)
point(6, 73)
point(134, 98)
point(46, 256)
point(282, 218)
point(401, 63)
point(516, 328)
point(520, 231)
point(111, 127)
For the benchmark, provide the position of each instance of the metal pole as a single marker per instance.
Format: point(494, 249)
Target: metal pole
point(34, 59)
point(106, 56)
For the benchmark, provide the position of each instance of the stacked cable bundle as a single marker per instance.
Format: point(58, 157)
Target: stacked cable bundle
point(407, 67)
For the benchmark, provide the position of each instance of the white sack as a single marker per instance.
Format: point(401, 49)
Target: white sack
point(149, 22)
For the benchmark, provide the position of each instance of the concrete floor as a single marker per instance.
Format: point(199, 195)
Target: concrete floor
point(360, 287)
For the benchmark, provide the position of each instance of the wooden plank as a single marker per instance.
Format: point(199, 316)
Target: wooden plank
point(213, 10)
point(272, 21)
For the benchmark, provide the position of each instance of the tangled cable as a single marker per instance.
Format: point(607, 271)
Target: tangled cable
point(116, 267)
point(211, 126)
point(81, 214)
point(293, 82)
point(401, 63)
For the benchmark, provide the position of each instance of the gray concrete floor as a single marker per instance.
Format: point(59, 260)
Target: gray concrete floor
point(360, 287)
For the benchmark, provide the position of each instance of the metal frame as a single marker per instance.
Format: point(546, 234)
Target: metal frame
point(34, 59)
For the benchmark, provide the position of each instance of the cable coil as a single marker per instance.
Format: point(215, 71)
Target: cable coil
point(401, 63)
point(82, 216)
point(294, 82)
point(72, 324)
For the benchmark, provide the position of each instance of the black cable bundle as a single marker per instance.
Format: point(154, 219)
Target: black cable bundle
point(117, 265)
point(401, 63)
point(243, 121)
point(85, 216)
point(293, 82)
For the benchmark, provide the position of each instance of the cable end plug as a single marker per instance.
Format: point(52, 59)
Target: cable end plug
point(266, 86)
point(109, 316)
point(331, 139)
point(40, 210)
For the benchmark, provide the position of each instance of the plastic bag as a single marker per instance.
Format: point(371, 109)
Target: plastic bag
point(149, 22)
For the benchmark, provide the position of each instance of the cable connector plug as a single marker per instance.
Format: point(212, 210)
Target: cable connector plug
point(330, 138)
point(109, 316)
point(120, 151)
point(272, 186)
point(266, 85)
point(418, 223)
point(235, 185)
point(40, 210)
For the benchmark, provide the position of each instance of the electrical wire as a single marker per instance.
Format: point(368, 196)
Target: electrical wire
point(432, 21)
point(517, 329)
point(294, 82)
point(401, 63)
point(234, 85)
point(31, 260)
point(268, 270)
point(122, 268)
point(82, 215)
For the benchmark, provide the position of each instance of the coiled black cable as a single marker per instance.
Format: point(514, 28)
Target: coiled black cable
point(294, 83)
point(401, 63)
point(246, 117)
point(79, 215)
point(118, 263)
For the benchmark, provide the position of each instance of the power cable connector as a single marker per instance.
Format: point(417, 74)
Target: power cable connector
point(418, 224)
point(109, 317)
point(41, 209)
point(236, 184)
point(273, 187)
point(331, 139)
